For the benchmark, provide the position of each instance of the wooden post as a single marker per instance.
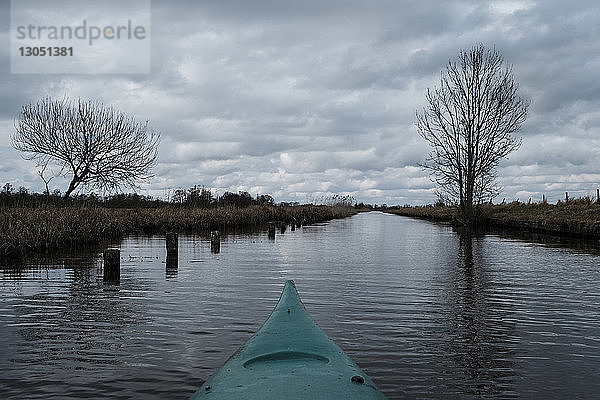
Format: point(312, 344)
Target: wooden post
point(172, 243)
point(544, 198)
point(215, 242)
point(271, 230)
point(283, 227)
point(597, 195)
point(112, 265)
point(566, 197)
point(172, 264)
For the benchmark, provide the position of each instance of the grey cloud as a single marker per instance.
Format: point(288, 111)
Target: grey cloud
point(309, 98)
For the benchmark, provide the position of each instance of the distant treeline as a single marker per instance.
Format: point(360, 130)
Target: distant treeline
point(194, 197)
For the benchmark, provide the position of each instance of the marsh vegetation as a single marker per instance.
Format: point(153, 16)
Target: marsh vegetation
point(576, 217)
point(30, 222)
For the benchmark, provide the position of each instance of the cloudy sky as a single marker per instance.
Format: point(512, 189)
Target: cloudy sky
point(308, 98)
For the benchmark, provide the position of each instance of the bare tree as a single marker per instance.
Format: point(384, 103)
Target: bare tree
point(41, 173)
point(97, 145)
point(470, 121)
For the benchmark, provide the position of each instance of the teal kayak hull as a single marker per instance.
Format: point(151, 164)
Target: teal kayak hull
point(289, 357)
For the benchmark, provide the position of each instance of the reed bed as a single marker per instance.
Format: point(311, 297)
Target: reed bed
point(577, 217)
point(429, 212)
point(25, 229)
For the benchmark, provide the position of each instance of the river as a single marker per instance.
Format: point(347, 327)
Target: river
point(426, 312)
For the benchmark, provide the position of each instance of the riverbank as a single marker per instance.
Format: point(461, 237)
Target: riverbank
point(577, 218)
point(25, 229)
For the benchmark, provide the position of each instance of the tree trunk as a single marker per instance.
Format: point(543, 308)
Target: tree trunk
point(467, 214)
point(72, 186)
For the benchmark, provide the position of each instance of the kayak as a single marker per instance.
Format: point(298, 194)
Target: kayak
point(289, 358)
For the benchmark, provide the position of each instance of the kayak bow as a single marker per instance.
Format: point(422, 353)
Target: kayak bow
point(289, 357)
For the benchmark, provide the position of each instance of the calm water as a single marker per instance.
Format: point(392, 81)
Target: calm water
point(425, 312)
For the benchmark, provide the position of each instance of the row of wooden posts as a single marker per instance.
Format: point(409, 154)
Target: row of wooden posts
point(112, 257)
point(566, 198)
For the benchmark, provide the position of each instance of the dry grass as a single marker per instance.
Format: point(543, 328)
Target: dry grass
point(25, 229)
point(579, 210)
point(432, 213)
point(579, 217)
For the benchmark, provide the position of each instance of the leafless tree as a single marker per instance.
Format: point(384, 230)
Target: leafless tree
point(470, 121)
point(97, 145)
point(41, 173)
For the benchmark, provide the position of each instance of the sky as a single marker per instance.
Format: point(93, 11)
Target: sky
point(307, 99)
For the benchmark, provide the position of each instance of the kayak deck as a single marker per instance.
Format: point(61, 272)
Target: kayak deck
point(289, 356)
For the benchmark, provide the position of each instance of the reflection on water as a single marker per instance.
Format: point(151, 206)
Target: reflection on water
point(589, 246)
point(427, 312)
point(477, 334)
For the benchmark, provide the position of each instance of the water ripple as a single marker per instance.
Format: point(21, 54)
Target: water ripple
point(425, 312)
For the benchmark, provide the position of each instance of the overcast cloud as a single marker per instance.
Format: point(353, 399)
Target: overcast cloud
point(305, 99)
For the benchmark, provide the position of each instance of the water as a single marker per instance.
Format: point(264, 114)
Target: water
point(425, 312)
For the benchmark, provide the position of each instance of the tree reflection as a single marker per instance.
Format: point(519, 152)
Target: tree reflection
point(479, 338)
